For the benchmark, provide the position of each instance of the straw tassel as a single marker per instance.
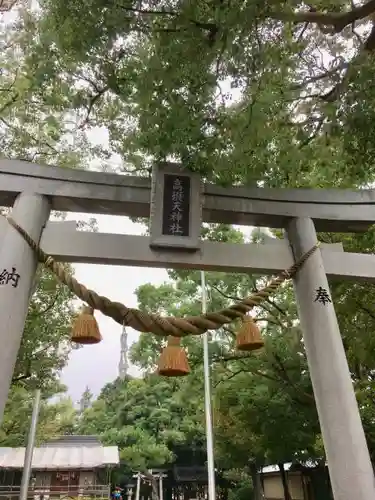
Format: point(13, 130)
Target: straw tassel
point(85, 328)
point(173, 361)
point(249, 337)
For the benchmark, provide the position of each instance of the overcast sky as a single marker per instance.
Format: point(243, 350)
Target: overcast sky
point(95, 365)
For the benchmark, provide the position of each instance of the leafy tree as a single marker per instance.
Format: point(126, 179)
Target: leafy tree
point(64, 415)
point(36, 125)
point(279, 94)
point(46, 340)
point(43, 353)
point(147, 418)
point(55, 418)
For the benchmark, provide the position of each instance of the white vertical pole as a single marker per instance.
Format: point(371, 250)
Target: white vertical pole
point(161, 476)
point(27, 466)
point(207, 401)
point(349, 464)
point(31, 212)
point(138, 489)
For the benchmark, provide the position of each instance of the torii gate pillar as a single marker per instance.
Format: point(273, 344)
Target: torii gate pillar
point(18, 264)
point(345, 444)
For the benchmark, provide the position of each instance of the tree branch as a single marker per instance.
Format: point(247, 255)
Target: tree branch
point(30, 136)
point(212, 28)
point(321, 76)
point(47, 308)
point(9, 103)
point(277, 307)
point(92, 100)
point(336, 21)
point(230, 357)
point(226, 296)
point(233, 374)
point(365, 309)
point(275, 322)
point(21, 377)
point(7, 5)
point(314, 134)
point(11, 85)
point(26, 375)
point(285, 376)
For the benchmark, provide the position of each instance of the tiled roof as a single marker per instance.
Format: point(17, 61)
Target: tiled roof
point(73, 441)
point(61, 457)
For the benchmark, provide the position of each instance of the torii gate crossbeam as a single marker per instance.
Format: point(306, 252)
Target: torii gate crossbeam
point(102, 193)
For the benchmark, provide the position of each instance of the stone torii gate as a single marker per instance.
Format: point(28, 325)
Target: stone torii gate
point(35, 190)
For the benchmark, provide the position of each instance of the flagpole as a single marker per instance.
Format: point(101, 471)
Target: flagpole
point(207, 400)
point(27, 466)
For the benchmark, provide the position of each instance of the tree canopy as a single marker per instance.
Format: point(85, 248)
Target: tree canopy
point(147, 418)
point(245, 92)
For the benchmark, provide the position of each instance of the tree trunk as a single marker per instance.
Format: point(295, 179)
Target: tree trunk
point(257, 485)
point(284, 480)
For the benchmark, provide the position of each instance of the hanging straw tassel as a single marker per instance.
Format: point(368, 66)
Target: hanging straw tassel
point(173, 361)
point(249, 337)
point(85, 328)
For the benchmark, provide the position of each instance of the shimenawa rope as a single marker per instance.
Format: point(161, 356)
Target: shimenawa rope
point(153, 323)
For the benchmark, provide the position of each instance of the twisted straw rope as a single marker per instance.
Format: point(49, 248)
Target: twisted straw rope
point(153, 323)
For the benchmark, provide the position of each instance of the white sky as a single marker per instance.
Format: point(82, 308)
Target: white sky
point(96, 365)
